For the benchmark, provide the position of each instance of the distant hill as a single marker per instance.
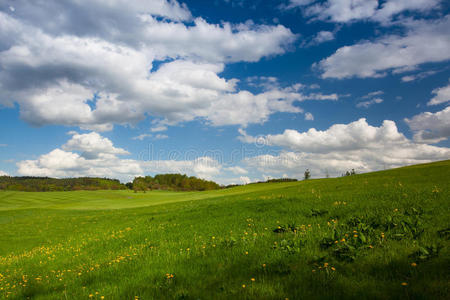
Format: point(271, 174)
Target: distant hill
point(174, 182)
point(46, 184)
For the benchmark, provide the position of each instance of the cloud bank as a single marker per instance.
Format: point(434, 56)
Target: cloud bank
point(341, 147)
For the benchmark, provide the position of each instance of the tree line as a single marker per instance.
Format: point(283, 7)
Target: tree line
point(47, 184)
point(174, 182)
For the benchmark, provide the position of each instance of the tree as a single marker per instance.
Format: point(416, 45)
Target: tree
point(307, 174)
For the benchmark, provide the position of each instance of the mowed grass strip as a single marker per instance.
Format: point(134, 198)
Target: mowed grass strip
point(109, 199)
point(381, 235)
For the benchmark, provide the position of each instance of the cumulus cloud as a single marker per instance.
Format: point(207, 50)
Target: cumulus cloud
point(92, 145)
point(344, 11)
point(2, 173)
point(322, 37)
point(442, 95)
point(94, 65)
point(430, 127)
point(342, 147)
point(398, 53)
point(245, 180)
point(94, 155)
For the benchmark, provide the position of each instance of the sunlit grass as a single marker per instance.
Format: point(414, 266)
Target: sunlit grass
point(379, 235)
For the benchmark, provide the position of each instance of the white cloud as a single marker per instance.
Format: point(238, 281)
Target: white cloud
point(430, 127)
point(343, 11)
point(372, 94)
point(368, 103)
point(92, 145)
point(141, 137)
point(418, 76)
point(309, 116)
point(237, 170)
point(103, 161)
point(245, 180)
point(83, 69)
point(339, 137)
point(393, 52)
point(158, 128)
point(161, 136)
point(322, 37)
point(343, 147)
point(3, 173)
point(442, 95)
point(319, 96)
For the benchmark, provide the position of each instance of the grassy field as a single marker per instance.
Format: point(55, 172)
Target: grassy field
point(382, 235)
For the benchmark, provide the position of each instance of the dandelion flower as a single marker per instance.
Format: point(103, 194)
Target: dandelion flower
point(413, 264)
point(243, 286)
point(253, 279)
point(404, 283)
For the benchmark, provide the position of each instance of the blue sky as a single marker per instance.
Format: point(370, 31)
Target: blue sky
point(233, 91)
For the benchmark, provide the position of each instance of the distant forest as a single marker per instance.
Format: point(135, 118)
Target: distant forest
point(46, 184)
point(171, 182)
point(175, 182)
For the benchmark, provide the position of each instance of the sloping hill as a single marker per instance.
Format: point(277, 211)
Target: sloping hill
point(379, 235)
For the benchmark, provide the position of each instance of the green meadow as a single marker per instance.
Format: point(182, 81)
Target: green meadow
point(381, 235)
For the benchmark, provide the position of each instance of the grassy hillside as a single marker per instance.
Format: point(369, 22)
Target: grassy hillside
point(380, 235)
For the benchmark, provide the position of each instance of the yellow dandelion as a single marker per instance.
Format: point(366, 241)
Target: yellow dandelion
point(413, 264)
point(243, 286)
point(253, 279)
point(404, 283)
